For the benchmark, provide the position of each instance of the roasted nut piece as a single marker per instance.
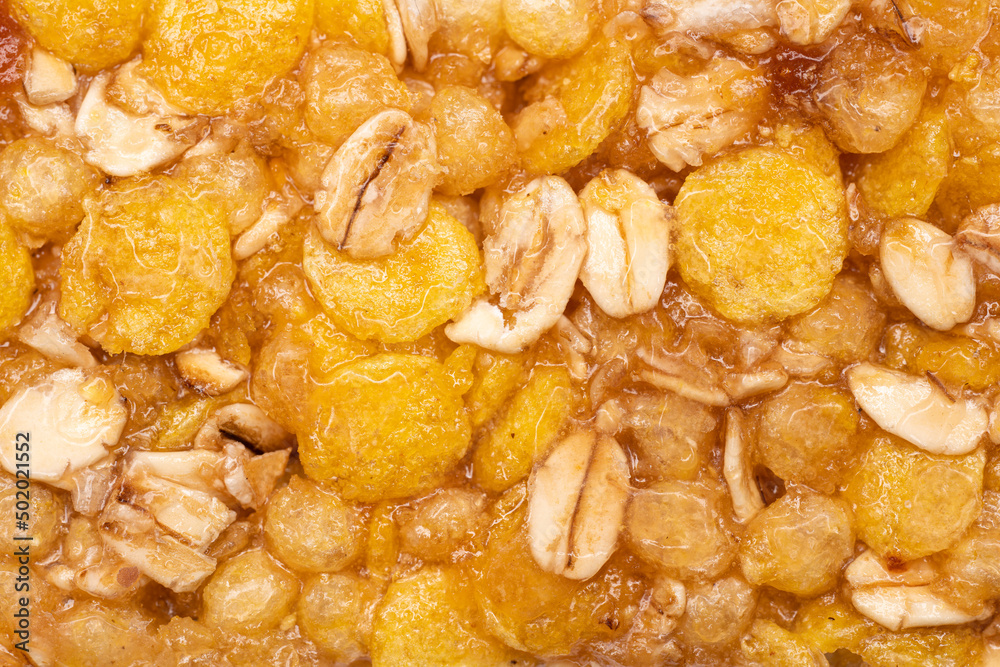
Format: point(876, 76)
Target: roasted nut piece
point(71, 421)
point(798, 544)
point(122, 142)
point(576, 505)
point(208, 372)
point(532, 262)
point(869, 93)
point(49, 79)
point(757, 258)
point(628, 240)
point(810, 21)
point(689, 117)
point(979, 236)
point(377, 187)
point(927, 274)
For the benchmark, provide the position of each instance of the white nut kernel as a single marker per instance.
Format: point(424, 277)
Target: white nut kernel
point(926, 274)
point(208, 372)
point(712, 17)
point(628, 240)
point(49, 79)
point(979, 236)
point(47, 333)
point(810, 21)
point(70, 424)
point(918, 410)
point(420, 21)
point(377, 186)
point(122, 143)
point(576, 505)
point(532, 258)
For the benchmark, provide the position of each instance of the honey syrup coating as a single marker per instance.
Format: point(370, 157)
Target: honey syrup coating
point(749, 510)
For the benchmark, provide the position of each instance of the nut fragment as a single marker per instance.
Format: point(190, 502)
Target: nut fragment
point(926, 274)
point(46, 332)
point(918, 410)
point(628, 240)
point(903, 597)
point(134, 536)
point(576, 505)
point(810, 21)
point(276, 215)
point(49, 79)
point(377, 186)
point(122, 143)
point(747, 501)
point(979, 236)
point(208, 372)
point(745, 385)
point(708, 16)
point(532, 259)
point(244, 423)
point(69, 419)
point(688, 117)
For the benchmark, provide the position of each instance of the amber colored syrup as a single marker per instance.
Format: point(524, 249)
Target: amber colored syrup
point(12, 46)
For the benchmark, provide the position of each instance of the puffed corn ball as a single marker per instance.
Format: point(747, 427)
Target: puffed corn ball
point(429, 280)
point(806, 434)
point(387, 426)
point(17, 277)
point(364, 21)
point(147, 268)
point(250, 593)
point(42, 189)
point(91, 34)
point(336, 612)
point(762, 234)
point(431, 618)
point(537, 611)
point(206, 56)
point(310, 529)
point(798, 544)
point(475, 146)
point(908, 503)
point(345, 86)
